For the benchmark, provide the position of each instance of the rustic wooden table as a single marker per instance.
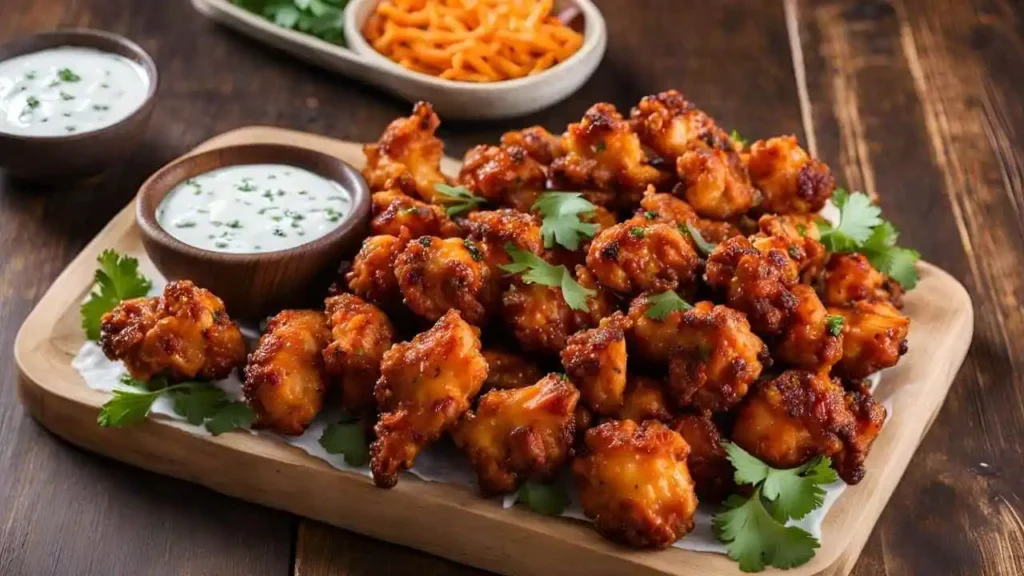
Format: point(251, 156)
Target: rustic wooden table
point(916, 100)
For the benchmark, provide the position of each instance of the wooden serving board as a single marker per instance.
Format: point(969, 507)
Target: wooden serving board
point(446, 520)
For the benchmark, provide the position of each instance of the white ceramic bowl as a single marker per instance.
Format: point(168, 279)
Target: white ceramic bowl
point(451, 99)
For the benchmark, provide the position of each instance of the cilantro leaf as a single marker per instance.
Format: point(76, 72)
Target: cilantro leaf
point(883, 253)
point(561, 218)
point(857, 218)
point(197, 403)
point(705, 247)
point(347, 438)
point(230, 416)
point(535, 270)
point(749, 470)
point(755, 539)
point(547, 499)
point(834, 324)
point(116, 279)
point(458, 199)
point(665, 303)
point(796, 492)
point(127, 407)
point(735, 137)
point(323, 19)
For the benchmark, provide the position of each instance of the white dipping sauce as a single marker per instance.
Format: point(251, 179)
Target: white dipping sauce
point(68, 90)
point(253, 208)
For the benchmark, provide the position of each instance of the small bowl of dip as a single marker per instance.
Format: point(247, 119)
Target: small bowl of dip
point(72, 103)
point(263, 226)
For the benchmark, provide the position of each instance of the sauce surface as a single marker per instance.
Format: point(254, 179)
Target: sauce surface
point(68, 90)
point(253, 208)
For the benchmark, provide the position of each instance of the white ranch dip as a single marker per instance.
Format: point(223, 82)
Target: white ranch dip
point(253, 208)
point(68, 90)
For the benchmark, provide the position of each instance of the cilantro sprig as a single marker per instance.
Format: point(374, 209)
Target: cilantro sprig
point(323, 19)
point(705, 247)
point(457, 199)
point(534, 270)
point(561, 218)
point(754, 528)
point(862, 229)
point(665, 303)
point(116, 279)
point(348, 438)
point(548, 499)
point(737, 138)
point(199, 402)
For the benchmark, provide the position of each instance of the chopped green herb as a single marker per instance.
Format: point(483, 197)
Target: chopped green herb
point(332, 214)
point(236, 224)
point(65, 96)
point(246, 186)
point(735, 137)
point(458, 199)
point(31, 103)
point(320, 18)
point(30, 75)
point(835, 324)
point(185, 224)
point(665, 303)
point(280, 233)
point(636, 232)
point(547, 499)
point(650, 214)
point(100, 107)
point(66, 75)
point(599, 147)
point(221, 244)
point(705, 247)
point(473, 250)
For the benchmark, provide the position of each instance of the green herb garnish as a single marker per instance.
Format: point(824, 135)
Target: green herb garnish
point(458, 199)
point(561, 218)
point(66, 75)
point(535, 270)
point(116, 279)
point(348, 438)
point(665, 303)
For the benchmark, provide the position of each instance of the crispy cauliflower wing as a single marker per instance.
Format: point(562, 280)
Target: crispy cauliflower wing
point(519, 434)
point(790, 180)
point(644, 399)
point(634, 483)
point(436, 275)
point(408, 155)
point(185, 333)
point(540, 144)
point(664, 207)
point(715, 183)
point(850, 277)
point(506, 370)
point(794, 417)
point(360, 335)
point(393, 210)
point(807, 341)
point(285, 381)
point(869, 415)
point(493, 229)
point(595, 360)
point(670, 125)
point(709, 465)
point(652, 339)
point(372, 274)
point(425, 386)
point(640, 254)
point(715, 358)
point(501, 174)
point(874, 337)
point(782, 233)
point(754, 283)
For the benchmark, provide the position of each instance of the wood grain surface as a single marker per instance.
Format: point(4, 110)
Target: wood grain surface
point(915, 100)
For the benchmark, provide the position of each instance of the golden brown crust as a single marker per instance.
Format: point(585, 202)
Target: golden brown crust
point(634, 483)
point(870, 415)
point(285, 381)
point(715, 183)
point(783, 234)
point(874, 338)
point(644, 399)
point(709, 465)
point(183, 334)
point(506, 370)
point(663, 207)
point(436, 275)
point(425, 386)
point(595, 360)
point(540, 144)
point(360, 335)
point(754, 283)
point(670, 125)
point(639, 255)
point(519, 434)
point(652, 339)
point(407, 155)
point(372, 274)
point(393, 210)
point(493, 229)
point(807, 341)
point(501, 173)
point(790, 419)
point(715, 358)
point(850, 277)
point(790, 180)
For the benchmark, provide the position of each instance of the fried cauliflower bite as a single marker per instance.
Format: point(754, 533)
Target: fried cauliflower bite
point(652, 339)
point(644, 399)
point(393, 210)
point(595, 360)
point(408, 155)
point(542, 320)
point(715, 183)
point(870, 415)
point(425, 386)
point(519, 434)
point(807, 341)
point(639, 255)
point(670, 125)
point(360, 335)
point(634, 483)
point(850, 277)
point(782, 233)
point(754, 283)
point(540, 144)
point(501, 173)
point(709, 465)
point(604, 154)
point(506, 370)
point(436, 275)
point(665, 207)
point(715, 358)
point(794, 417)
point(874, 338)
point(372, 274)
point(790, 180)
point(183, 334)
point(492, 230)
point(285, 380)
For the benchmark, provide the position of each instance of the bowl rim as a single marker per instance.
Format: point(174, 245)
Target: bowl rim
point(150, 193)
point(40, 41)
point(594, 33)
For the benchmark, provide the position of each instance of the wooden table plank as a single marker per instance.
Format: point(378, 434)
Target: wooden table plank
point(918, 101)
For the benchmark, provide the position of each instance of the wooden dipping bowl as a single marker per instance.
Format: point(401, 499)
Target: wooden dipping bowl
point(260, 284)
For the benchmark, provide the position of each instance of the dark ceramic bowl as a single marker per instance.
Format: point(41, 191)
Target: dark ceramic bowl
point(255, 285)
point(54, 159)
